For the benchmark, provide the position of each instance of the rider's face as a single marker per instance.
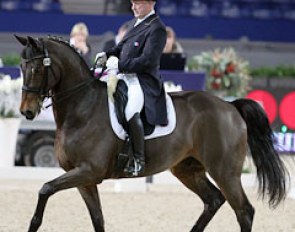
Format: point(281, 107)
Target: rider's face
point(141, 8)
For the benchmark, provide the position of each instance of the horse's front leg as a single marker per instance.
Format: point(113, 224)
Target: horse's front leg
point(73, 178)
point(91, 197)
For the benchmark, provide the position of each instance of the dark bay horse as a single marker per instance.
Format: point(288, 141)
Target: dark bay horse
point(211, 136)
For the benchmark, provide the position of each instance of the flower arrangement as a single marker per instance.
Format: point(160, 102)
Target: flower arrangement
point(10, 95)
point(226, 72)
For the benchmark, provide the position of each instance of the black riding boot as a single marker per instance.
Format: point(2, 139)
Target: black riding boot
point(136, 132)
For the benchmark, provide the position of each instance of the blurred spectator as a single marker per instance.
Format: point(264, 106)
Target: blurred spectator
point(172, 45)
point(79, 36)
point(173, 57)
point(114, 41)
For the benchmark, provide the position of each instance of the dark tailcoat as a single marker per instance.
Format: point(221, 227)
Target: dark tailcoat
point(140, 52)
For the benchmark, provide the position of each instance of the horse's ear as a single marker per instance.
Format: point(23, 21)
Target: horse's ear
point(32, 41)
point(22, 40)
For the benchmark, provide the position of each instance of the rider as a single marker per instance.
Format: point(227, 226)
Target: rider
point(137, 58)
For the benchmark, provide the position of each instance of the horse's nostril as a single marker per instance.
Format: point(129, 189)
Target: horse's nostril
point(29, 114)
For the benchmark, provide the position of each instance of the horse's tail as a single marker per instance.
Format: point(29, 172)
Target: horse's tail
point(271, 171)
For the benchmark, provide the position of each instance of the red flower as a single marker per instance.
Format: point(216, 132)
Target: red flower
point(215, 73)
point(230, 68)
point(215, 85)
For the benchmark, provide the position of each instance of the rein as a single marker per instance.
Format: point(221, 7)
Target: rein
point(75, 88)
point(69, 92)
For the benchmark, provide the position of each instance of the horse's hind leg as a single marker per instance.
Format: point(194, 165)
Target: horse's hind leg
point(192, 174)
point(231, 187)
point(91, 198)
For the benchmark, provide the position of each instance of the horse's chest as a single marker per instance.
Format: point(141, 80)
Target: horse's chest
point(62, 150)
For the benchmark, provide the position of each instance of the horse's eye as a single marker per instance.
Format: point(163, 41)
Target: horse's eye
point(35, 70)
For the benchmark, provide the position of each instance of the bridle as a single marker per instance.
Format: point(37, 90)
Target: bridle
point(42, 90)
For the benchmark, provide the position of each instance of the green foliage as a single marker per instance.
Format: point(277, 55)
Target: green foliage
point(11, 60)
point(6, 114)
point(278, 71)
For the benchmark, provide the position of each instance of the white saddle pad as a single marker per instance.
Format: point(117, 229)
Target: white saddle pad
point(159, 130)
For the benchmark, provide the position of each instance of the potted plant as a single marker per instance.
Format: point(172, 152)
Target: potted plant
point(10, 93)
point(226, 73)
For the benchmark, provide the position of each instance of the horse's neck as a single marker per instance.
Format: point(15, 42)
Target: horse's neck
point(76, 107)
point(80, 107)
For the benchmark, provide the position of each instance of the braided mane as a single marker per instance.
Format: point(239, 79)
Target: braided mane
point(67, 43)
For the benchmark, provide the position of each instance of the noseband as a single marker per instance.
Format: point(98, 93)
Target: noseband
point(42, 90)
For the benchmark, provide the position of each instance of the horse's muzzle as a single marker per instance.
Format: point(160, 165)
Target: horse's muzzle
point(28, 114)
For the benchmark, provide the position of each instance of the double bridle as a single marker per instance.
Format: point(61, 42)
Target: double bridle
point(46, 63)
point(43, 90)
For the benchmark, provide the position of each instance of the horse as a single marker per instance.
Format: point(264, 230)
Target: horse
point(211, 136)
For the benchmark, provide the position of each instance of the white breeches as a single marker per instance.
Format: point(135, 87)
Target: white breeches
point(135, 95)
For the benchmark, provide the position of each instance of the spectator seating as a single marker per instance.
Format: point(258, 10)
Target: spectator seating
point(256, 9)
point(31, 5)
point(259, 9)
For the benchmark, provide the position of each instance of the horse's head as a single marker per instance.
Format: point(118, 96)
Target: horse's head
point(38, 75)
